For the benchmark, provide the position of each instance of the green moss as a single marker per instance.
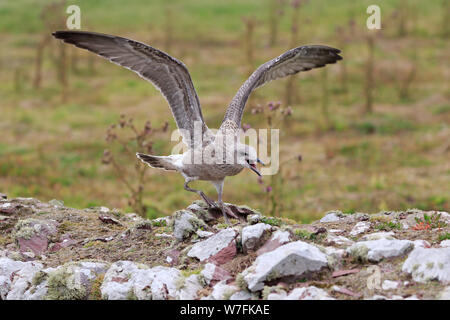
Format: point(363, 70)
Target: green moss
point(387, 226)
point(96, 293)
point(38, 278)
point(240, 281)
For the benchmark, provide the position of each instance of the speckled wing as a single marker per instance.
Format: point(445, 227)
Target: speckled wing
point(291, 62)
point(168, 75)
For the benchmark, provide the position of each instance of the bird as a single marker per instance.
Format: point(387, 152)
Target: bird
point(209, 156)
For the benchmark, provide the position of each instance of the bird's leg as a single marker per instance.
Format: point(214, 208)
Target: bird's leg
point(209, 202)
point(219, 188)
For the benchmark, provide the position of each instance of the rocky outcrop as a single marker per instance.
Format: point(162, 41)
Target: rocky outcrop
point(49, 251)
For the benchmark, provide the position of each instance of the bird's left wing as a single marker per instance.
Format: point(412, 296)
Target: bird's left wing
point(167, 74)
point(291, 62)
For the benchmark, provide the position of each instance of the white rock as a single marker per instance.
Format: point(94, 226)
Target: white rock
point(332, 216)
point(9, 269)
point(339, 240)
point(360, 227)
point(376, 250)
point(425, 264)
point(379, 235)
point(389, 285)
point(127, 280)
point(309, 293)
point(209, 247)
point(277, 295)
point(292, 259)
point(204, 234)
point(445, 294)
point(251, 235)
point(421, 243)
point(445, 243)
point(223, 291)
point(242, 295)
point(212, 272)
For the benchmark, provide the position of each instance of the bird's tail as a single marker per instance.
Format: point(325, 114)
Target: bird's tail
point(157, 161)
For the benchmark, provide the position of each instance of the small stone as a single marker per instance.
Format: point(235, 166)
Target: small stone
point(308, 293)
point(444, 244)
point(378, 236)
point(242, 295)
point(376, 250)
point(252, 236)
point(445, 294)
point(223, 291)
point(56, 203)
point(338, 240)
point(204, 234)
point(185, 223)
point(213, 274)
point(332, 216)
point(360, 227)
point(389, 285)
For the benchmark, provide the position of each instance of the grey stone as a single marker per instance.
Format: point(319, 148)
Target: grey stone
point(426, 264)
point(251, 236)
point(376, 250)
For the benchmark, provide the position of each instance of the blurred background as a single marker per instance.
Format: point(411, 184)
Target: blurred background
point(370, 133)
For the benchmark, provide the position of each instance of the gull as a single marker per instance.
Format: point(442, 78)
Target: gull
point(209, 156)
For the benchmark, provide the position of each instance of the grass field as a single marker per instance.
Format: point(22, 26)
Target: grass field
point(394, 158)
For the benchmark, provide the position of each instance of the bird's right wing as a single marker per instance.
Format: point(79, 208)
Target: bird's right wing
point(167, 74)
point(291, 62)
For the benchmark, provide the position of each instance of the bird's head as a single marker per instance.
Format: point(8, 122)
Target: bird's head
point(247, 157)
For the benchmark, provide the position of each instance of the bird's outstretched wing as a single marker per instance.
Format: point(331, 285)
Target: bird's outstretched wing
point(291, 62)
point(168, 75)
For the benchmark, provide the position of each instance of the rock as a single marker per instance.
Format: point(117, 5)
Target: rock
point(74, 280)
point(213, 274)
point(359, 228)
point(185, 223)
point(445, 244)
point(3, 196)
point(292, 259)
point(389, 285)
point(173, 256)
point(378, 236)
point(243, 295)
point(306, 293)
point(223, 291)
point(33, 234)
point(204, 234)
point(277, 239)
point(334, 256)
point(338, 240)
point(426, 264)
point(56, 203)
point(22, 280)
point(128, 280)
point(332, 216)
point(345, 291)
point(252, 236)
point(218, 249)
point(421, 243)
point(445, 294)
point(15, 273)
point(340, 273)
point(253, 219)
point(376, 250)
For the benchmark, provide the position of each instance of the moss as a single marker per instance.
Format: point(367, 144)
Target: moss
point(62, 286)
point(96, 293)
point(180, 282)
point(24, 229)
point(430, 265)
point(131, 295)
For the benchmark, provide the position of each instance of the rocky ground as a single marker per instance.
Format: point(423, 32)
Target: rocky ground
point(48, 251)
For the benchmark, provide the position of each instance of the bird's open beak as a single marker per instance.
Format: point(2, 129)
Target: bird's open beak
point(253, 167)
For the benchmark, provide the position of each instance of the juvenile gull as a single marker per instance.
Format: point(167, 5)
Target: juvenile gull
point(210, 157)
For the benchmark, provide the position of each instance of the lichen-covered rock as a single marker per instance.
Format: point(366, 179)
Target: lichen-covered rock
point(119, 280)
point(390, 285)
point(16, 277)
point(218, 249)
point(338, 240)
point(306, 293)
point(292, 259)
point(213, 274)
point(360, 227)
point(33, 234)
point(426, 264)
point(277, 239)
point(376, 250)
point(252, 236)
point(185, 223)
point(378, 236)
point(74, 280)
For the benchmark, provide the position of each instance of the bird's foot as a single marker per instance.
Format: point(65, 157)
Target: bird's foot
point(209, 202)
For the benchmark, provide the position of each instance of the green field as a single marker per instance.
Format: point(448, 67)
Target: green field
point(394, 158)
